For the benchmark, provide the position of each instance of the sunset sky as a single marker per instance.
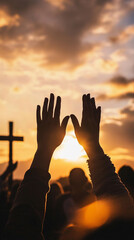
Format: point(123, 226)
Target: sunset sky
point(68, 47)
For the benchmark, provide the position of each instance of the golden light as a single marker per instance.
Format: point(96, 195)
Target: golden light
point(95, 214)
point(7, 20)
point(70, 150)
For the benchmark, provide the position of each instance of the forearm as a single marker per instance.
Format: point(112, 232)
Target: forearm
point(27, 214)
point(42, 159)
point(106, 182)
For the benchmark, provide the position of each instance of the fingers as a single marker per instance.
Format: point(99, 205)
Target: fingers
point(90, 112)
point(51, 106)
point(57, 109)
point(38, 117)
point(93, 107)
point(47, 111)
point(89, 106)
point(75, 122)
point(14, 166)
point(44, 110)
point(84, 112)
point(48, 107)
point(64, 123)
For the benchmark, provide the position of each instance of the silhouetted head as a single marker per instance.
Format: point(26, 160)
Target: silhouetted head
point(55, 190)
point(77, 177)
point(126, 174)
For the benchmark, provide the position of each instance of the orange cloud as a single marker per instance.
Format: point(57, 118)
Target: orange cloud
point(54, 30)
point(121, 88)
point(7, 20)
point(128, 95)
point(121, 136)
point(124, 35)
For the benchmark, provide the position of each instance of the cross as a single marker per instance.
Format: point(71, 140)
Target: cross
point(10, 138)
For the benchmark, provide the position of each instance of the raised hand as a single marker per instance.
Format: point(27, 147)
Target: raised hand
point(88, 133)
point(8, 171)
point(12, 167)
point(50, 132)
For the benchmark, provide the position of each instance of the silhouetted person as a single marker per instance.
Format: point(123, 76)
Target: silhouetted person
point(126, 174)
point(27, 215)
point(81, 188)
point(80, 195)
point(4, 210)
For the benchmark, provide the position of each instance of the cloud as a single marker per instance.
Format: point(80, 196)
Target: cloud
point(120, 88)
point(6, 20)
point(55, 31)
point(124, 35)
point(118, 55)
point(128, 112)
point(106, 65)
point(121, 81)
point(120, 136)
point(128, 95)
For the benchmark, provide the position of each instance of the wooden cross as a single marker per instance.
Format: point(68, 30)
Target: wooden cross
point(10, 138)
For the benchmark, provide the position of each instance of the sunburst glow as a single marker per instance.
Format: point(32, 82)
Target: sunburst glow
point(70, 150)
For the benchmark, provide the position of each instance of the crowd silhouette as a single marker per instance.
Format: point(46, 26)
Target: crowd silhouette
point(97, 210)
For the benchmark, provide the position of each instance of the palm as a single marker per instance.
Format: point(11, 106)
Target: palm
point(50, 132)
point(88, 133)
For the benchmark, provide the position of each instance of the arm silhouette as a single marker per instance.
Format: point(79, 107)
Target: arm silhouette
point(106, 182)
point(27, 214)
point(8, 171)
point(50, 132)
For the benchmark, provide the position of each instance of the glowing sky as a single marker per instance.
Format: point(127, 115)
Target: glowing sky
point(68, 47)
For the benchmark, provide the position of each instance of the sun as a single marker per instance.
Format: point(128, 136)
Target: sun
point(70, 150)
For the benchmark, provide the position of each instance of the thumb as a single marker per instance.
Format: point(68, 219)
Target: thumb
point(75, 122)
point(38, 117)
point(64, 123)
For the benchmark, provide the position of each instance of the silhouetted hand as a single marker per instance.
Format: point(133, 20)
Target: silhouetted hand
point(9, 170)
point(50, 132)
point(12, 167)
point(88, 133)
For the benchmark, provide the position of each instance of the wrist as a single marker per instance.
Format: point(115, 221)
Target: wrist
point(94, 150)
point(42, 159)
point(44, 152)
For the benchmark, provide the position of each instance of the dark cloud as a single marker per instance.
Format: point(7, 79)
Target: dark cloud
point(55, 33)
point(128, 95)
point(120, 136)
point(121, 81)
point(128, 112)
point(123, 35)
point(18, 7)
